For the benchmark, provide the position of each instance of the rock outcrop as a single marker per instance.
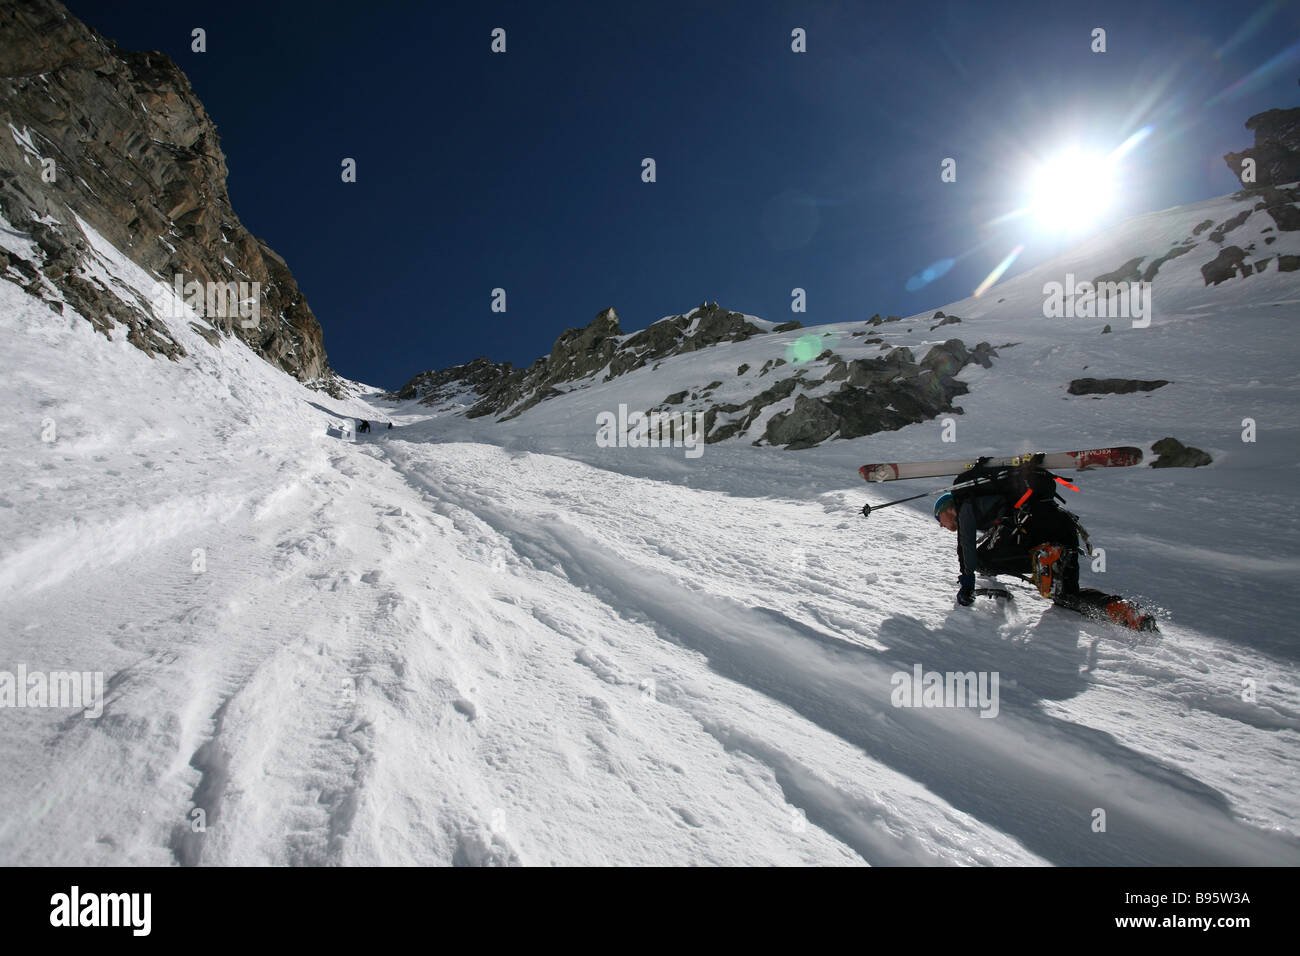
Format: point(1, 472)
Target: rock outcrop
point(601, 346)
point(880, 394)
point(470, 380)
point(1276, 151)
point(1113, 386)
point(1174, 454)
point(119, 139)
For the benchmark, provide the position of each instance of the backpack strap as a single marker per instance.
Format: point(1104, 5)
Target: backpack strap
point(1083, 532)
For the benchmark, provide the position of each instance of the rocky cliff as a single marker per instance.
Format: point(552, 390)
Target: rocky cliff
point(828, 397)
point(120, 139)
point(1276, 151)
point(578, 354)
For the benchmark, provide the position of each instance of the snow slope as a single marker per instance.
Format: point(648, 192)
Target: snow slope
point(459, 642)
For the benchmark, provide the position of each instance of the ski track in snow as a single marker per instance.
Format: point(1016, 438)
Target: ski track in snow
point(422, 649)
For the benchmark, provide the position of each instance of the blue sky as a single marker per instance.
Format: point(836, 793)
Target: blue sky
point(775, 170)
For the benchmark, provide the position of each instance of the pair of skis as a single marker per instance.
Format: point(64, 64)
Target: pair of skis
point(1079, 460)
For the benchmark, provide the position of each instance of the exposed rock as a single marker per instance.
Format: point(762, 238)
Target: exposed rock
point(1288, 263)
point(1150, 272)
point(788, 326)
point(881, 394)
point(577, 353)
point(876, 371)
point(809, 423)
point(139, 159)
point(944, 320)
point(676, 398)
point(1106, 330)
point(1128, 272)
point(984, 354)
point(704, 326)
point(1276, 151)
point(1174, 454)
point(436, 387)
point(582, 353)
point(946, 359)
point(743, 369)
point(1201, 227)
point(1113, 386)
point(1228, 225)
point(1280, 204)
point(1229, 261)
point(781, 390)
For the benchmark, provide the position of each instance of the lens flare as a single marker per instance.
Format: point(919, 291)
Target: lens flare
point(935, 270)
point(996, 274)
point(804, 349)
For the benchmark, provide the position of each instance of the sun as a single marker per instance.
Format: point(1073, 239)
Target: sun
point(1069, 192)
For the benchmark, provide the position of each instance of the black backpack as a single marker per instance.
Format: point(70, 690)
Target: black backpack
point(1008, 482)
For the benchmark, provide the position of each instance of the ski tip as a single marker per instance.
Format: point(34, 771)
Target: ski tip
point(1106, 457)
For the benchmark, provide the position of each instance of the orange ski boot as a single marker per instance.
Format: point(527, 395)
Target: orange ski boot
point(1046, 558)
point(1124, 613)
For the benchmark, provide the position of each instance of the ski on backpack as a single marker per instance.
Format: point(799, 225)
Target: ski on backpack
point(1079, 460)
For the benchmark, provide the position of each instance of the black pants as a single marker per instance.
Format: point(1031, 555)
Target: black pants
point(1010, 552)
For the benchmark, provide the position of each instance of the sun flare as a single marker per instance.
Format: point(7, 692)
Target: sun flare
point(1071, 191)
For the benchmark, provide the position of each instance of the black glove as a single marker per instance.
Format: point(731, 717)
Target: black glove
point(966, 596)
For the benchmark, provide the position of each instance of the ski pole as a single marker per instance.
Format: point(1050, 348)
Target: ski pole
point(868, 508)
point(965, 485)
